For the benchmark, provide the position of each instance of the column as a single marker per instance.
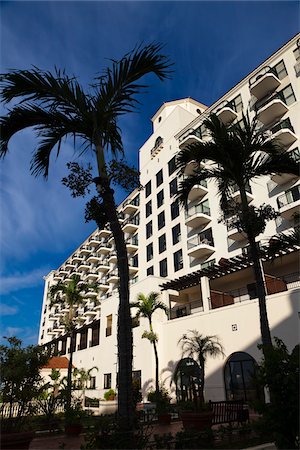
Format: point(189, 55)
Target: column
point(205, 290)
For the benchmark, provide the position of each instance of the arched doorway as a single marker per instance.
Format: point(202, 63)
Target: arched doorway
point(239, 374)
point(187, 378)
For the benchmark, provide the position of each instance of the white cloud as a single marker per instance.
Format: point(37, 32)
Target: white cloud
point(17, 281)
point(28, 335)
point(6, 310)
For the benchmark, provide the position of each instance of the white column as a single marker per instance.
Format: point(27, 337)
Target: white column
point(89, 336)
point(205, 290)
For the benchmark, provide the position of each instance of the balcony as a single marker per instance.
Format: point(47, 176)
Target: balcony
point(84, 266)
point(94, 241)
point(185, 309)
point(235, 233)
point(220, 299)
point(197, 215)
point(104, 233)
point(158, 146)
point(130, 207)
point(198, 191)
point(283, 133)
point(192, 167)
point(51, 331)
point(93, 258)
point(132, 244)
point(58, 276)
point(112, 259)
point(70, 265)
point(92, 275)
point(103, 284)
point(200, 247)
point(271, 108)
point(51, 317)
point(103, 266)
point(226, 113)
point(131, 224)
point(113, 277)
point(77, 257)
point(133, 265)
point(105, 247)
point(266, 81)
point(289, 202)
point(85, 249)
point(63, 271)
point(236, 196)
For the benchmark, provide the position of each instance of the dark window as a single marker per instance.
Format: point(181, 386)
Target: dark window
point(178, 262)
point(288, 95)
point(149, 251)
point(63, 347)
point(160, 198)
point(137, 378)
point(161, 220)
point(159, 178)
point(176, 234)
point(136, 201)
point(237, 103)
point(162, 243)
point(150, 270)
point(207, 264)
point(174, 210)
point(149, 229)
point(173, 187)
point(148, 189)
point(172, 165)
point(280, 70)
point(93, 383)
point(163, 268)
point(148, 208)
point(95, 334)
point(108, 331)
point(83, 339)
point(107, 381)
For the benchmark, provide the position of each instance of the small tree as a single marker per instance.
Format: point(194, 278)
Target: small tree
point(146, 306)
point(20, 379)
point(199, 347)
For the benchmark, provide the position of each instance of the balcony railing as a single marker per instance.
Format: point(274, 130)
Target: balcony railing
point(289, 197)
point(186, 309)
point(197, 209)
point(200, 239)
point(267, 99)
point(286, 123)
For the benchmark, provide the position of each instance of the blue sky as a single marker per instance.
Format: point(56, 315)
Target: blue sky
point(213, 45)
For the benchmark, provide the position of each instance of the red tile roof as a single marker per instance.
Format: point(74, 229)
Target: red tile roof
point(57, 362)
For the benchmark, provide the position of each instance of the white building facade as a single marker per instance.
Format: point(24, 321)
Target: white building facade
point(197, 263)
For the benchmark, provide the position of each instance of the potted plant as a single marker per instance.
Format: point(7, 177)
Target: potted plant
point(20, 385)
point(73, 420)
point(110, 395)
point(194, 412)
point(162, 405)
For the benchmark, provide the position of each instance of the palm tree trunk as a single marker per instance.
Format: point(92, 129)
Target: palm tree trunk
point(202, 367)
point(69, 375)
point(156, 360)
point(261, 292)
point(124, 335)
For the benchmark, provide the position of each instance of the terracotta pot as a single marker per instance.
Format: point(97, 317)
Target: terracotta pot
point(199, 420)
point(164, 419)
point(73, 429)
point(20, 440)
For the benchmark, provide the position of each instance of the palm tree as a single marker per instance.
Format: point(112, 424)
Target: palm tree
point(199, 347)
point(82, 376)
point(56, 106)
point(146, 306)
point(72, 295)
point(238, 154)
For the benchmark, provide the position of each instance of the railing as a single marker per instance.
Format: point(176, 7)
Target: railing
point(225, 104)
point(157, 146)
point(7, 410)
point(286, 123)
point(200, 239)
point(295, 154)
point(135, 220)
point(133, 240)
point(264, 70)
point(289, 197)
point(268, 98)
point(186, 309)
point(203, 209)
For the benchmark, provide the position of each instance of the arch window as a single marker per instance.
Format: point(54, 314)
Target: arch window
point(239, 374)
point(188, 379)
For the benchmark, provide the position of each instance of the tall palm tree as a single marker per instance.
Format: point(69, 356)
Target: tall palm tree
point(195, 345)
point(238, 154)
point(72, 295)
point(56, 106)
point(146, 306)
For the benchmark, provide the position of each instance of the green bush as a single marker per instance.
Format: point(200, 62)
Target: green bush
point(109, 394)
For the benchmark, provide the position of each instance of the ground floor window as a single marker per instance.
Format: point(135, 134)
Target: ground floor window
point(188, 379)
point(107, 381)
point(239, 374)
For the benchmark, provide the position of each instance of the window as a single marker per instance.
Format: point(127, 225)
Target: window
point(83, 339)
point(163, 268)
point(159, 178)
point(95, 334)
point(93, 383)
point(161, 220)
point(109, 325)
point(280, 70)
point(173, 187)
point(176, 234)
point(178, 261)
point(208, 264)
point(63, 347)
point(137, 378)
point(162, 243)
point(172, 165)
point(174, 210)
point(148, 208)
point(149, 229)
point(297, 53)
point(160, 198)
point(237, 103)
point(148, 189)
point(136, 201)
point(149, 249)
point(107, 381)
point(288, 95)
point(150, 271)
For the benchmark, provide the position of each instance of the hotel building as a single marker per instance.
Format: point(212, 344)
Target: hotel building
point(200, 265)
